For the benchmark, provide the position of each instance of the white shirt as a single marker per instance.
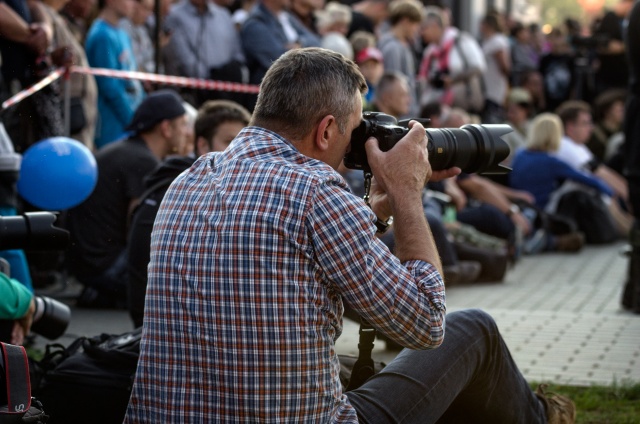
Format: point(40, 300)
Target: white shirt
point(495, 82)
point(576, 155)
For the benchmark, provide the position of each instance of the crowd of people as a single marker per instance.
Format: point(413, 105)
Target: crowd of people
point(240, 231)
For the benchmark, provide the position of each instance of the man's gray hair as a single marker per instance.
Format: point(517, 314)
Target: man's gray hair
point(302, 87)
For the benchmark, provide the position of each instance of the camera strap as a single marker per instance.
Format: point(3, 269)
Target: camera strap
point(16, 376)
point(363, 367)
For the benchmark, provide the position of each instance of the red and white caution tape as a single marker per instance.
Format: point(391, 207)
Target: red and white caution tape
point(142, 76)
point(18, 97)
point(170, 80)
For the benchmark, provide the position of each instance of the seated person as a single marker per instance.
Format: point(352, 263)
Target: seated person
point(99, 225)
point(256, 250)
point(17, 307)
point(578, 127)
point(217, 123)
point(538, 171)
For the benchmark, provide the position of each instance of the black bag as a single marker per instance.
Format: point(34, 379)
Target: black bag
point(77, 118)
point(591, 215)
point(16, 403)
point(91, 380)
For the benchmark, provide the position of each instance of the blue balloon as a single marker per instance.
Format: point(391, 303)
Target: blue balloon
point(57, 173)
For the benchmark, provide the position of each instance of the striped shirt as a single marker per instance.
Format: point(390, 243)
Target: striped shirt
point(253, 252)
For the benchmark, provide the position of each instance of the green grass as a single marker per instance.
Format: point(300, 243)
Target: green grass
point(616, 404)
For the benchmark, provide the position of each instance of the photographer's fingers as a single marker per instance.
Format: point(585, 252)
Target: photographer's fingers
point(444, 174)
point(403, 168)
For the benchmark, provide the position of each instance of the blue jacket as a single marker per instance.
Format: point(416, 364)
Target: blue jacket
point(264, 41)
point(110, 47)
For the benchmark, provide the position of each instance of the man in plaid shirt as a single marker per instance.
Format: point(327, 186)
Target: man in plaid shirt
point(256, 249)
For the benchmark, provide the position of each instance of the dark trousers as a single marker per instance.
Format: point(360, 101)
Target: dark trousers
point(470, 378)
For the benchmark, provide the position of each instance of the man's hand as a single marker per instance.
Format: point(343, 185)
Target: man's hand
point(405, 168)
point(39, 38)
point(22, 326)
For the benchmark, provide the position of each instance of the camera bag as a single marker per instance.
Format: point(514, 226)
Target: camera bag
point(91, 379)
point(16, 403)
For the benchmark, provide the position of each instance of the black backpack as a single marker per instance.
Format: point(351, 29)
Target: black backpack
point(89, 381)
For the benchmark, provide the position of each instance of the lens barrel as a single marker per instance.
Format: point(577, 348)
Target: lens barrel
point(472, 148)
point(51, 317)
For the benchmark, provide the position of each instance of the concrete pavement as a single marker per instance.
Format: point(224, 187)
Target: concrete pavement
point(559, 314)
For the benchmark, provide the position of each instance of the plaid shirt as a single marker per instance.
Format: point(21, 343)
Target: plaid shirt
point(253, 252)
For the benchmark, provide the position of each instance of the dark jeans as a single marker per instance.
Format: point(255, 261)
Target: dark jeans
point(488, 219)
point(111, 285)
point(470, 378)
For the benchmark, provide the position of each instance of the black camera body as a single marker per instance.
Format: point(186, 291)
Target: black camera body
point(472, 148)
point(437, 79)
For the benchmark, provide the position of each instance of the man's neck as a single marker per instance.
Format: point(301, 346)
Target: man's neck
point(400, 33)
point(110, 16)
point(272, 7)
point(156, 144)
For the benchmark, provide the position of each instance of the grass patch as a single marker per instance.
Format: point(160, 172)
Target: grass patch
point(616, 404)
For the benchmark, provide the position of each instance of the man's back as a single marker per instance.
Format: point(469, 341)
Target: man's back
point(246, 289)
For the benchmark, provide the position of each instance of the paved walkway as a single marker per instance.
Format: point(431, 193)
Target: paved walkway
point(559, 314)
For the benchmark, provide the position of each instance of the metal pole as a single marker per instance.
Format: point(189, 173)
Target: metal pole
point(156, 35)
point(67, 103)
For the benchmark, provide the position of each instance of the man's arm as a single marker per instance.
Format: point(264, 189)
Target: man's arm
point(403, 182)
point(614, 180)
point(487, 191)
point(12, 26)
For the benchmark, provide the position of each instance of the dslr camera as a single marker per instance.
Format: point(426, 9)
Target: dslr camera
point(472, 148)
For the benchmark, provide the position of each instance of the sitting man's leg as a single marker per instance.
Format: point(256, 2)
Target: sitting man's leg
point(471, 377)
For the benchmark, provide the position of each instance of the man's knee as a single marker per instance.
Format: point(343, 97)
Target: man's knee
point(472, 321)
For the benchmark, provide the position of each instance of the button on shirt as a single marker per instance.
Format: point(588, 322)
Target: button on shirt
point(253, 252)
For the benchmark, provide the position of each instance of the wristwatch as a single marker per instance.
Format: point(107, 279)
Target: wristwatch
point(513, 209)
point(383, 226)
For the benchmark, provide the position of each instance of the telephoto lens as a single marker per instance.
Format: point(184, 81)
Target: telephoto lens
point(472, 148)
point(51, 317)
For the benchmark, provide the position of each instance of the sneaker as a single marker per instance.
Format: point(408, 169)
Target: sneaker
point(536, 243)
point(571, 242)
point(560, 409)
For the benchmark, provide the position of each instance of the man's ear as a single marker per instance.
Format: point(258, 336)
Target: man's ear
point(326, 132)
point(202, 146)
point(165, 128)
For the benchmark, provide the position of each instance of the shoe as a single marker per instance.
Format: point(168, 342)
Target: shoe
point(462, 272)
point(560, 409)
point(536, 243)
point(571, 242)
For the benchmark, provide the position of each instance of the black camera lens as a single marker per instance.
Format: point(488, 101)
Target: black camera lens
point(51, 317)
point(472, 148)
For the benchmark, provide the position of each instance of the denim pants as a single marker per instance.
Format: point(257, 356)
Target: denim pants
point(112, 283)
point(470, 378)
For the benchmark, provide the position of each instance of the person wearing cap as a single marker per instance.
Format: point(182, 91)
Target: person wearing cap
point(216, 124)
point(99, 225)
point(371, 64)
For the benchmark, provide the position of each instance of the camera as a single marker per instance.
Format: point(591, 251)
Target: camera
point(437, 79)
point(32, 231)
point(472, 148)
point(36, 231)
point(51, 317)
